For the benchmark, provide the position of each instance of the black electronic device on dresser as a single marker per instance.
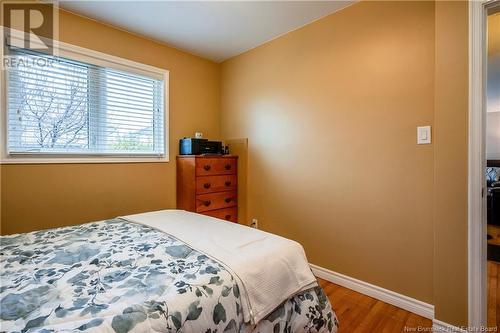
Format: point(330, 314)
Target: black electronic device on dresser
point(195, 146)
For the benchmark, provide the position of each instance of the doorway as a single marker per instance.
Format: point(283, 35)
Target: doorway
point(492, 172)
point(479, 294)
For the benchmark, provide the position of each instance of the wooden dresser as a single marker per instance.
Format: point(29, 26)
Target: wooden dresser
point(207, 184)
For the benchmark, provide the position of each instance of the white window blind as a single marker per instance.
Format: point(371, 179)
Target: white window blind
point(67, 107)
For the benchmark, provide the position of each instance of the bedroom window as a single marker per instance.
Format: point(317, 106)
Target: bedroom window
point(63, 108)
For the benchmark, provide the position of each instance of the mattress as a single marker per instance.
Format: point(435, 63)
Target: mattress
point(121, 276)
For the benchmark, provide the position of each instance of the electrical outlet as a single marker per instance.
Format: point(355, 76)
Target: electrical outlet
point(254, 224)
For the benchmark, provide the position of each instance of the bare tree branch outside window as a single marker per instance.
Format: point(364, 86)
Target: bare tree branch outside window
point(56, 106)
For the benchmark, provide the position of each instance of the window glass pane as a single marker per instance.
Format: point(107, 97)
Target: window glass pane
point(128, 94)
point(48, 108)
point(71, 107)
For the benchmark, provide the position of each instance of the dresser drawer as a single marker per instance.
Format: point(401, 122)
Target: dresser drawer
point(228, 214)
point(209, 184)
point(211, 201)
point(215, 166)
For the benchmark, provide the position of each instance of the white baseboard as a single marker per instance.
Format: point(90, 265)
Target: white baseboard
point(404, 302)
point(439, 326)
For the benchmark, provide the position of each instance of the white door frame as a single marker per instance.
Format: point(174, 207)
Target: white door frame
point(477, 162)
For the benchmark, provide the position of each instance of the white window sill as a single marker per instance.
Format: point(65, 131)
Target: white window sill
point(82, 160)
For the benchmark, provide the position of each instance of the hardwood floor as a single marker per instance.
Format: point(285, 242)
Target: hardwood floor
point(358, 313)
point(493, 294)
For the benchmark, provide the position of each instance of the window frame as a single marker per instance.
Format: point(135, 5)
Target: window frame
point(84, 55)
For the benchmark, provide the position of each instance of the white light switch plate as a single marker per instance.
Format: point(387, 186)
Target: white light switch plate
point(423, 135)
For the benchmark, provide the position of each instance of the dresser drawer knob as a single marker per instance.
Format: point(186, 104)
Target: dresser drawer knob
point(206, 167)
point(228, 166)
point(228, 217)
point(227, 183)
point(207, 185)
point(228, 200)
point(207, 203)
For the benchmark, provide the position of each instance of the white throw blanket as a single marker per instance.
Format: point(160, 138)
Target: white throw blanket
point(270, 268)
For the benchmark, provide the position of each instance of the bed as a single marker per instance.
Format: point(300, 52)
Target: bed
point(165, 271)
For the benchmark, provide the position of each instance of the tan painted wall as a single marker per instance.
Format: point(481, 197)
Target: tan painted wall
point(450, 162)
point(43, 196)
point(330, 112)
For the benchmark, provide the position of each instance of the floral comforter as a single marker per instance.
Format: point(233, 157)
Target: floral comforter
point(117, 276)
